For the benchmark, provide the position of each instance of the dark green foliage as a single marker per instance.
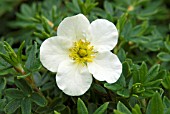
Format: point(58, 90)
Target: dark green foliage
point(12, 106)
point(143, 49)
point(102, 109)
point(81, 107)
point(38, 99)
point(155, 105)
point(26, 106)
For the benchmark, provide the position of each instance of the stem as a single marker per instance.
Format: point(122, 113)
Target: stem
point(143, 103)
point(29, 79)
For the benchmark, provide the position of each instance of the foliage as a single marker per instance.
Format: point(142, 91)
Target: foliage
point(144, 49)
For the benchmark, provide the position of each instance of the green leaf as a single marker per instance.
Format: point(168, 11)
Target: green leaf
point(57, 101)
point(122, 108)
point(38, 99)
point(161, 75)
point(26, 106)
point(47, 86)
point(102, 108)
point(55, 112)
point(152, 73)
point(5, 71)
point(19, 53)
point(2, 104)
point(2, 84)
point(166, 82)
point(100, 88)
point(108, 7)
point(167, 45)
point(139, 29)
point(31, 57)
point(118, 112)
point(7, 59)
point(143, 71)
point(60, 107)
point(14, 93)
point(136, 110)
point(153, 83)
point(167, 111)
point(12, 106)
point(148, 93)
point(81, 107)
point(126, 69)
point(136, 75)
point(164, 56)
point(45, 24)
point(120, 84)
point(113, 87)
point(155, 105)
point(121, 54)
point(9, 48)
point(23, 76)
point(124, 93)
point(121, 22)
point(166, 102)
point(26, 10)
point(32, 62)
point(23, 85)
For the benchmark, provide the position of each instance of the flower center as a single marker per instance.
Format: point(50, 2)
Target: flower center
point(82, 52)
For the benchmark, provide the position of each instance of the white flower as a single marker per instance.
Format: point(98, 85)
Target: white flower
point(79, 51)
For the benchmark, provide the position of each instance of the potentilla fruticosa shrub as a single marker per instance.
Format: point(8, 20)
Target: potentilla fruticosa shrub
point(85, 57)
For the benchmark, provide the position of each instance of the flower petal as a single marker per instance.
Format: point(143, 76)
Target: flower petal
point(73, 79)
point(106, 67)
point(54, 50)
point(104, 35)
point(74, 27)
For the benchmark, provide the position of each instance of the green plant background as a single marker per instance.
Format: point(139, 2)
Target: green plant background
point(26, 87)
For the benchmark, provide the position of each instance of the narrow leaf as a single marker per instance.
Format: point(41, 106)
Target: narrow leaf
point(81, 107)
point(2, 83)
point(23, 76)
point(14, 93)
point(118, 112)
point(9, 48)
point(102, 108)
point(23, 85)
point(153, 83)
point(32, 62)
point(121, 54)
point(143, 71)
point(12, 106)
point(26, 106)
point(39, 99)
point(122, 108)
point(166, 102)
point(7, 59)
point(164, 56)
point(19, 53)
point(155, 105)
point(166, 82)
point(100, 88)
point(31, 57)
point(167, 45)
point(113, 87)
point(136, 110)
point(153, 72)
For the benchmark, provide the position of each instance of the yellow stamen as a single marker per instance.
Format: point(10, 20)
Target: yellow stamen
point(82, 52)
